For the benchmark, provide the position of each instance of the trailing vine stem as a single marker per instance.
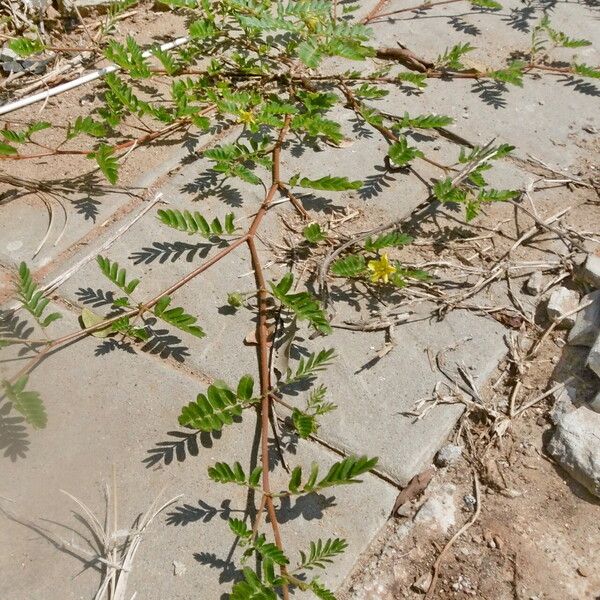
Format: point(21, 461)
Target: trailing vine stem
point(262, 333)
point(263, 349)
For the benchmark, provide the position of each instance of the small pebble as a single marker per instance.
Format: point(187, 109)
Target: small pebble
point(470, 501)
point(583, 571)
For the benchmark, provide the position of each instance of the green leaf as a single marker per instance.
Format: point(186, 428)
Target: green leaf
point(313, 234)
point(302, 304)
point(212, 412)
point(416, 79)
point(6, 149)
point(185, 221)
point(177, 317)
point(221, 472)
point(107, 162)
point(166, 60)
point(245, 388)
point(305, 424)
point(346, 471)
point(586, 71)
point(401, 153)
point(307, 368)
point(251, 588)
point(117, 275)
point(295, 480)
point(343, 472)
point(129, 57)
point(32, 298)
point(451, 58)
point(330, 183)
point(285, 285)
point(513, 74)
point(86, 125)
point(385, 240)
point(229, 225)
point(309, 53)
point(491, 4)
point(353, 265)
point(239, 528)
point(26, 46)
point(27, 402)
point(90, 319)
point(270, 551)
point(493, 195)
point(370, 92)
point(444, 191)
point(320, 591)
point(321, 553)
point(202, 29)
point(423, 121)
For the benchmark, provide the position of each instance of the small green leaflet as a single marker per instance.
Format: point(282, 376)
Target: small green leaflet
point(195, 223)
point(401, 153)
point(26, 47)
point(424, 121)
point(353, 265)
point(221, 472)
point(177, 317)
point(309, 53)
point(117, 275)
point(7, 150)
point(385, 240)
point(416, 79)
point(313, 234)
point(85, 125)
point(107, 162)
point(302, 304)
point(32, 298)
point(329, 183)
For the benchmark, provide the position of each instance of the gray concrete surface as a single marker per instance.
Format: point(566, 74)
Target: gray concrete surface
point(107, 406)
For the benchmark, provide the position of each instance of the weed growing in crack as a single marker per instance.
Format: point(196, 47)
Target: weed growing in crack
point(252, 66)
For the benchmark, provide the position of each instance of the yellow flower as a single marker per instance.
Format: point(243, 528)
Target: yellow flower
point(247, 117)
point(381, 269)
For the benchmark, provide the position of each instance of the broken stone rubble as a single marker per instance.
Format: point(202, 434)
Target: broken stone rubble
point(575, 444)
point(591, 270)
point(562, 305)
point(535, 284)
point(587, 324)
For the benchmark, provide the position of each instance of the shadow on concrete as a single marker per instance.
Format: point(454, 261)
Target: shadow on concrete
point(14, 436)
point(181, 445)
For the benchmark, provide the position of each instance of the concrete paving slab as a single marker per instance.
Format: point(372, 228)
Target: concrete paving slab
point(375, 395)
point(85, 210)
point(118, 409)
point(482, 109)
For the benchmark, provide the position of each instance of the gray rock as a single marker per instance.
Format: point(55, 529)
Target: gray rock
point(565, 401)
point(594, 403)
point(575, 444)
point(591, 270)
point(422, 584)
point(535, 284)
point(448, 455)
point(593, 359)
point(562, 302)
point(84, 6)
point(587, 323)
point(439, 510)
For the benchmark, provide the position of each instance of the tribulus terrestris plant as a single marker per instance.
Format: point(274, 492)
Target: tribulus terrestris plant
point(253, 65)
